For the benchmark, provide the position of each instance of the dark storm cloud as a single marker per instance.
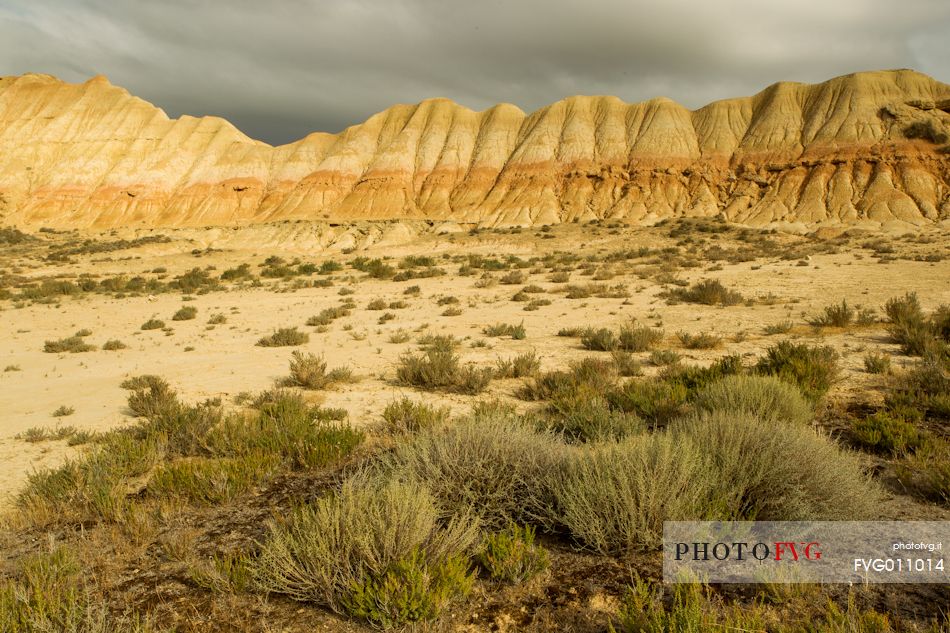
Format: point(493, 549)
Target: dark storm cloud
point(281, 68)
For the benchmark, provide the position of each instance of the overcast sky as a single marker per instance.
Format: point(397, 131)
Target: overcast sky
point(279, 69)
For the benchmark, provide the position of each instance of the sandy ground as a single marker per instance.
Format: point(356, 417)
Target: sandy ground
point(222, 361)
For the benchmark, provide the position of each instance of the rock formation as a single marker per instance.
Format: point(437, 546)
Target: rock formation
point(870, 148)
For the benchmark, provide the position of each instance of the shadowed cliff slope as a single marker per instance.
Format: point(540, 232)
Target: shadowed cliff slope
point(868, 148)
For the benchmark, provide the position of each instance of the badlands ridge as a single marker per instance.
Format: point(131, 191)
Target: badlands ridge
point(869, 149)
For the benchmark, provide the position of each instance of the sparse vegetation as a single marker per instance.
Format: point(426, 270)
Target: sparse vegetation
point(310, 372)
point(284, 337)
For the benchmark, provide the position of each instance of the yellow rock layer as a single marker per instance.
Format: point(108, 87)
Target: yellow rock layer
point(864, 148)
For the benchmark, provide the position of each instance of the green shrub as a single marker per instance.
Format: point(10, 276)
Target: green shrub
point(406, 416)
point(520, 366)
point(835, 315)
point(764, 397)
point(885, 433)
point(707, 292)
point(512, 555)
point(339, 549)
point(71, 344)
point(813, 369)
point(692, 609)
point(602, 340)
point(875, 363)
point(516, 332)
point(285, 426)
point(625, 363)
point(185, 313)
point(766, 473)
point(411, 590)
point(217, 319)
point(310, 372)
point(614, 497)
point(783, 327)
point(376, 304)
point(638, 338)
point(927, 472)
point(328, 315)
point(584, 415)
point(211, 481)
point(703, 340)
point(656, 402)
point(150, 395)
point(664, 357)
point(284, 337)
point(113, 344)
point(153, 324)
point(491, 464)
point(439, 369)
point(63, 411)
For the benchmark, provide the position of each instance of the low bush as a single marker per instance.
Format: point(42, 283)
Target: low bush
point(927, 472)
point(638, 338)
point(284, 337)
point(512, 555)
point(602, 340)
point(491, 464)
point(310, 372)
point(707, 292)
point(763, 397)
point(520, 366)
point(71, 344)
point(664, 357)
point(153, 324)
point(113, 345)
point(516, 332)
point(885, 433)
point(211, 481)
point(328, 315)
point(655, 401)
point(584, 415)
point(875, 363)
point(438, 368)
point(625, 363)
point(703, 340)
point(835, 315)
point(812, 369)
point(186, 313)
point(373, 551)
point(407, 416)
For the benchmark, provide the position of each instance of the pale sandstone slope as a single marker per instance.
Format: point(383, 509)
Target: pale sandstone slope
point(839, 152)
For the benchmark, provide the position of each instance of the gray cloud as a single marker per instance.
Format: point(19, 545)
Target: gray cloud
point(282, 68)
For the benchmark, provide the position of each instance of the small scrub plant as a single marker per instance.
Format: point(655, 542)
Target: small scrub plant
point(409, 416)
point(583, 415)
point(886, 433)
point(626, 364)
point(520, 366)
point(411, 590)
point(186, 313)
point(638, 338)
point(375, 551)
point(664, 357)
point(284, 337)
point(764, 397)
point(217, 319)
point(153, 324)
point(782, 327)
point(875, 363)
point(451, 311)
point(310, 372)
point(377, 304)
point(707, 292)
point(836, 315)
point(516, 332)
point(812, 368)
point(63, 411)
point(512, 555)
point(71, 344)
point(113, 345)
point(328, 315)
point(703, 340)
point(439, 368)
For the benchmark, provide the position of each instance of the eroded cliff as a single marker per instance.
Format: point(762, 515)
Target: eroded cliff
point(864, 148)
